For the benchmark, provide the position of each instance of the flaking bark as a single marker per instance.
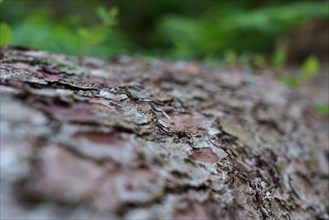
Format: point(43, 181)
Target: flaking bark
point(147, 139)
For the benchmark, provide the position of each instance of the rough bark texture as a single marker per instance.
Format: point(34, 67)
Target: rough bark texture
point(146, 139)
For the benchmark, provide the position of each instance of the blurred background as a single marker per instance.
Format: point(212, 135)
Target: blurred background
point(287, 36)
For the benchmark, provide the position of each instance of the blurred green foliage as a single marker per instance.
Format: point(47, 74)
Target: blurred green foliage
point(193, 29)
point(90, 37)
point(322, 108)
point(279, 58)
point(6, 36)
point(291, 81)
point(69, 34)
point(308, 70)
point(235, 28)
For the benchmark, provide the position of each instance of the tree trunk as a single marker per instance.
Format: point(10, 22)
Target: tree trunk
point(147, 139)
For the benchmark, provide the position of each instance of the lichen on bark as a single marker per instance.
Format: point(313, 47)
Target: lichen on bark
point(132, 138)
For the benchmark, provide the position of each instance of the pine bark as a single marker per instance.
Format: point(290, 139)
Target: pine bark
point(133, 138)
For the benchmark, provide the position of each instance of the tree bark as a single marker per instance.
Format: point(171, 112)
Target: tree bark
point(134, 138)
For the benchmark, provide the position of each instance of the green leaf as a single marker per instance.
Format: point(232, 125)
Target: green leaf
point(291, 81)
point(102, 13)
point(279, 58)
point(321, 108)
point(6, 34)
point(259, 61)
point(310, 68)
point(108, 17)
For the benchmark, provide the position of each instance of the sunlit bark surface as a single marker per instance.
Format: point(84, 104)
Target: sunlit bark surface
point(131, 138)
